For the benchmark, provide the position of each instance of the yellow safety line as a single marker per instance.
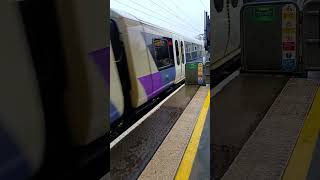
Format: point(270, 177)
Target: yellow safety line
point(301, 157)
point(185, 167)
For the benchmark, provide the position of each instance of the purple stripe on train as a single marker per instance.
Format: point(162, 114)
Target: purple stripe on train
point(101, 58)
point(155, 83)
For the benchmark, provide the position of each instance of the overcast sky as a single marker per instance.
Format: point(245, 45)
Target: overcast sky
point(182, 16)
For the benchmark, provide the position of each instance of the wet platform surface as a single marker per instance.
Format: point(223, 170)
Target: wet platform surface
point(236, 111)
point(129, 157)
point(313, 171)
point(175, 157)
point(304, 162)
point(201, 164)
point(266, 154)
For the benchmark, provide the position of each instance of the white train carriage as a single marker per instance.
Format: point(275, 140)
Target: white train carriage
point(148, 59)
point(52, 106)
point(225, 35)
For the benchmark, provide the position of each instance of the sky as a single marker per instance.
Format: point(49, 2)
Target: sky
point(185, 17)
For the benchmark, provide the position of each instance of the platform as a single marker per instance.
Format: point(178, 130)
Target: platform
point(165, 142)
point(273, 127)
point(236, 111)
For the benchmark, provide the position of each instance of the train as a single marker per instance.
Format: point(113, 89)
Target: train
point(145, 60)
point(53, 108)
point(225, 31)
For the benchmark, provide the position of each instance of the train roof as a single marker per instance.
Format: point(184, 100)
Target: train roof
point(127, 15)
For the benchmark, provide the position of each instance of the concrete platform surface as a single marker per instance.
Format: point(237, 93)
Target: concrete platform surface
point(129, 157)
point(201, 164)
point(304, 162)
point(236, 111)
point(166, 160)
point(266, 154)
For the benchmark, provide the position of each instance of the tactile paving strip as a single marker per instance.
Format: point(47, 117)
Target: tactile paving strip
point(267, 152)
point(166, 160)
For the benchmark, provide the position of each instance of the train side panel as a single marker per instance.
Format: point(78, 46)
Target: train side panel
point(137, 59)
point(116, 95)
point(22, 120)
point(87, 71)
point(183, 58)
point(219, 30)
point(177, 59)
point(160, 57)
point(150, 58)
point(234, 41)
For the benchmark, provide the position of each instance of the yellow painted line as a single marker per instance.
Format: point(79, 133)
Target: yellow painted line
point(185, 167)
point(301, 157)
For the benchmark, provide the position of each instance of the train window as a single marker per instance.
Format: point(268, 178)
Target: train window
point(196, 51)
point(182, 52)
point(218, 4)
point(188, 57)
point(188, 47)
point(162, 51)
point(192, 52)
point(177, 51)
point(234, 3)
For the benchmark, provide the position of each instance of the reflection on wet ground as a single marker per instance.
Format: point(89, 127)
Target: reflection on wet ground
point(236, 111)
point(313, 173)
point(201, 164)
point(129, 157)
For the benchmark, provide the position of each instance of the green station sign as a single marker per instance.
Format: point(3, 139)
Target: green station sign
point(192, 66)
point(264, 13)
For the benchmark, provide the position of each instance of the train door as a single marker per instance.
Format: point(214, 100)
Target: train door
point(220, 30)
point(234, 26)
point(116, 95)
point(177, 59)
point(311, 35)
point(183, 57)
point(22, 122)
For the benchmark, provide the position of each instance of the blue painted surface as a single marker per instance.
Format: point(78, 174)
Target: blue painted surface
point(158, 91)
point(101, 58)
point(156, 83)
point(201, 165)
point(168, 75)
point(114, 113)
point(314, 173)
point(13, 165)
point(289, 65)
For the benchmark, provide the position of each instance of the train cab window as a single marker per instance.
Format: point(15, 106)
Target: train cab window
point(177, 51)
point(162, 53)
point(218, 4)
point(182, 52)
point(234, 3)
